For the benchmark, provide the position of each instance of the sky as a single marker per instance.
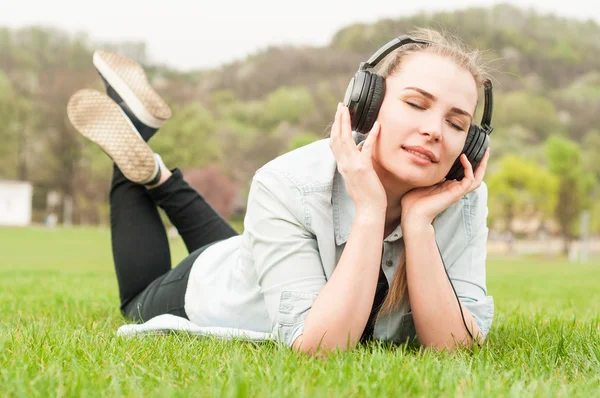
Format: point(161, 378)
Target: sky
point(192, 34)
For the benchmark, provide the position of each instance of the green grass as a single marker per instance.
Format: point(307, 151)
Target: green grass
point(58, 300)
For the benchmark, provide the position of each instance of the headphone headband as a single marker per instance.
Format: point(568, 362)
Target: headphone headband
point(402, 40)
point(389, 47)
point(486, 119)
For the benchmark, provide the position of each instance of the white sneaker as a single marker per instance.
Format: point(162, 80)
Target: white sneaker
point(128, 80)
point(98, 118)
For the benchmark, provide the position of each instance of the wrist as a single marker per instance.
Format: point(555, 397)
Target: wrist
point(371, 209)
point(415, 219)
point(372, 214)
point(417, 227)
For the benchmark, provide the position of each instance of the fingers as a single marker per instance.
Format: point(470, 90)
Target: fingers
point(472, 180)
point(371, 138)
point(336, 127)
point(468, 169)
point(480, 172)
point(341, 130)
point(346, 125)
point(342, 143)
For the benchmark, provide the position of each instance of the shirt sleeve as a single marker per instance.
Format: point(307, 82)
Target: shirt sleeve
point(285, 253)
point(468, 271)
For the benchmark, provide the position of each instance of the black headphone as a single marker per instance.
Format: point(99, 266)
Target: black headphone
point(365, 92)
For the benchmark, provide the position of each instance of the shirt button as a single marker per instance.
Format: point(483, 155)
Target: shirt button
point(389, 263)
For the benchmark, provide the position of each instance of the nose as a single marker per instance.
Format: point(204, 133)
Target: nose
point(432, 128)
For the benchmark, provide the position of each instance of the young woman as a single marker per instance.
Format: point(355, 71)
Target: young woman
point(341, 243)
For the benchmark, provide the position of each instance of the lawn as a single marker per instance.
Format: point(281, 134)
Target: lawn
point(59, 306)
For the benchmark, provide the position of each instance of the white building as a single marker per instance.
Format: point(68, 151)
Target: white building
point(15, 203)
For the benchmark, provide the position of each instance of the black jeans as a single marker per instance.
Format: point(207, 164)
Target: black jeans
point(147, 285)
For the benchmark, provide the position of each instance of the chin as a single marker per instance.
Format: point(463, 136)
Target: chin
point(414, 177)
point(418, 182)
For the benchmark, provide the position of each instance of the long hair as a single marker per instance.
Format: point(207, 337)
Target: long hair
point(449, 47)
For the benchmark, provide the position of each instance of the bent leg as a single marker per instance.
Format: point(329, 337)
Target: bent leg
point(165, 295)
point(139, 241)
point(197, 222)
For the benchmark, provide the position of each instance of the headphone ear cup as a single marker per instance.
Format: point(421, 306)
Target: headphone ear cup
point(476, 157)
point(476, 149)
point(373, 103)
point(456, 171)
point(477, 139)
point(354, 97)
point(475, 134)
point(361, 105)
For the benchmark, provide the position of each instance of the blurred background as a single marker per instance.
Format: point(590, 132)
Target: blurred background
point(248, 82)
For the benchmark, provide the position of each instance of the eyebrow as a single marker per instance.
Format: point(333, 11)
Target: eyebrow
point(434, 98)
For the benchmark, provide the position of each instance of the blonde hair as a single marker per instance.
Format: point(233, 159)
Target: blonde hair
point(446, 46)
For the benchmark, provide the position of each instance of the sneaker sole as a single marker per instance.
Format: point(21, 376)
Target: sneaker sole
point(129, 80)
point(98, 118)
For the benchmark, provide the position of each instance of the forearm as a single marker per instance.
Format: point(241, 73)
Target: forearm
point(435, 310)
point(341, 311)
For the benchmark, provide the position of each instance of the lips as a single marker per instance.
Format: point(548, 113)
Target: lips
point(421, 152)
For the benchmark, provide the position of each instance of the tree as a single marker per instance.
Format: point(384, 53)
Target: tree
point(286, 104)
point(590, 149)
point(189, 139)
point(575, 184)
point(521, 188)
point(595, 218)
point(301, 140)
point(8, 131)
point(535, 113)
point(581, 100)
point(216, 188)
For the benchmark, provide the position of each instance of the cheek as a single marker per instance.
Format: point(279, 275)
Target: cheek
point(396, 127)
point(385, 150)
point(454, 149)
point(397, 118)
point(388, 143)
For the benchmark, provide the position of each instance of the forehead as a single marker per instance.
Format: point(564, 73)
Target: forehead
point(440, 76)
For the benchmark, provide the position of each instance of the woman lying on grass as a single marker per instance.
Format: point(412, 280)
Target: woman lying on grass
point(342, 242)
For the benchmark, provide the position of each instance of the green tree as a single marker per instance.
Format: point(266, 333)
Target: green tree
point(535, 113)
point(301, 140)
point(189, 138)
point(18, 119)
point(286, 104)
point(595, 218)
point(590, 149)
point(521, 188)
point(8, 130)
point(575, 184)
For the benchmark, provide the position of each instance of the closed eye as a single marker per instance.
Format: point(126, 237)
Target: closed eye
point(416, 106)
point(455, 126)
point(412, 104)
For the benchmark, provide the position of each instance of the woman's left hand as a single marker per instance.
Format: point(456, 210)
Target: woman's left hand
point(422, 205)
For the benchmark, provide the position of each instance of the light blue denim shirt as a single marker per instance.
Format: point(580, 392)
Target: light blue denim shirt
point(298, 219)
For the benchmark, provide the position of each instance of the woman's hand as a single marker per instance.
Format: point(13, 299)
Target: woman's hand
point(355, 163)
point(422, 205)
